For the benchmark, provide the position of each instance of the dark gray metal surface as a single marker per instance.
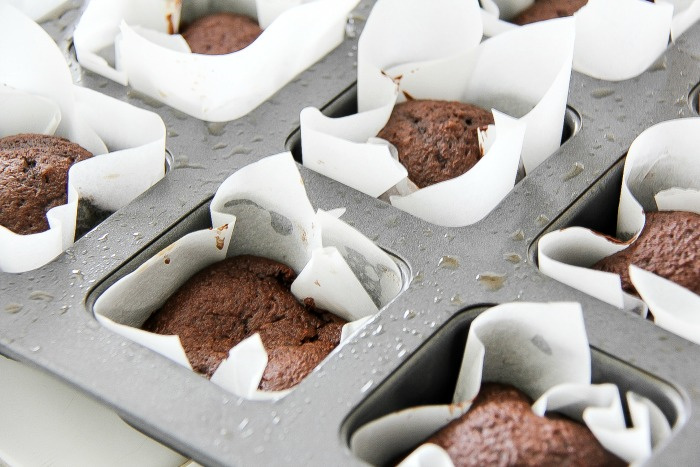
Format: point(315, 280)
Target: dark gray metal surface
point(45, 317)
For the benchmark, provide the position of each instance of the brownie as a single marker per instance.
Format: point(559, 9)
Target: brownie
point(548, 9)
point(231, 300)
point(34, 179)
point(668, 246)
point(436, 140)
point(501, 429)
point(221, 33)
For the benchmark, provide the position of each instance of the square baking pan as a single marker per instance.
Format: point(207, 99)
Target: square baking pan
point(451, 274)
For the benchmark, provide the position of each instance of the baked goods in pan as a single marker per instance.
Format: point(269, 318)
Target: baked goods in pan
point(235, 298)
point(436, 140)
point(221, 33)
point(34, 178)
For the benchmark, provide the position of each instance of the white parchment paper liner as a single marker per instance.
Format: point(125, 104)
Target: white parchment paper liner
point(37, 96)
point(45, 422)
point(540, 348)
point(40, 10)
point(432, 50)
point(215, 88)
point(662, 173)
point(615, 40)
point(260, 210)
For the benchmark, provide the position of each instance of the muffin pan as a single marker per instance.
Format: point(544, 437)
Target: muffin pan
point(451, 274)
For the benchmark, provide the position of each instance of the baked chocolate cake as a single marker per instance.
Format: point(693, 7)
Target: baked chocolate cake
point(669, 246)
point(231, 300)
point(436, 140)
point(34, 178)
point(501, 429)
point(221, 33)
point(548, 9)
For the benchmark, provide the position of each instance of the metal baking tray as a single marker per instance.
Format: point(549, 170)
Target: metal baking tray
point(452, 273)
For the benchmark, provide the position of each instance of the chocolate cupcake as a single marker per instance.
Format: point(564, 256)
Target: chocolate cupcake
point(436, 140)
point(233, 299)
point(221, 33)
point(34, 179)
point(501, 429)
point(548, 9)
point(669, 246)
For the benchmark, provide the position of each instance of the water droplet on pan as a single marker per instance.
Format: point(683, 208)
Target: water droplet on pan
point(491, 280)
point(448, 262)
point(574, 172)
point(602, 92)
point(13, 308)
point(512, 258)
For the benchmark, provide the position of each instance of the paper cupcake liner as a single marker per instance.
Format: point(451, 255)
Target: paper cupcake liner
point(661, 173)
point(432, 50)
point(37, 96)
point(130, 44)
point(41, 10)
point(45, 422)
point(260, 210)
point(614, 40)
point(542, 349)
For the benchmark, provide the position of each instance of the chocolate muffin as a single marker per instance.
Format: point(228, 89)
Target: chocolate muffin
point(501, 429)
point(34, 178)
point(669, 246)
point(436, 140)
point(221, 33)
point(548, 9)
point(231, 300)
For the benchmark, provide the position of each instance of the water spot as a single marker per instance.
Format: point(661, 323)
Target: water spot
point(512, 258)
point(419, 278)
point(542, 220)
point(456, 300)
point(240, 150)
point(220, 146)
point(350, 30)
point(367, 385)
point(610, 137)
point(401, 353)
point(379, 331)
point(172, 133)
point(183, 162)
point(602, 92)
point(448, 262)
point(243, 424)
point(491, 280)
point(280, 224)
point(132, 94)
point(40, 295)
point(36, 348)
point(13, 308)
point(658, 65)
point(518, 235)
point(77, 274)
point(539, 342)
point(216, 128)
point(437, 300)
point(409, 314)
point(574, 172)
point(103, 238)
